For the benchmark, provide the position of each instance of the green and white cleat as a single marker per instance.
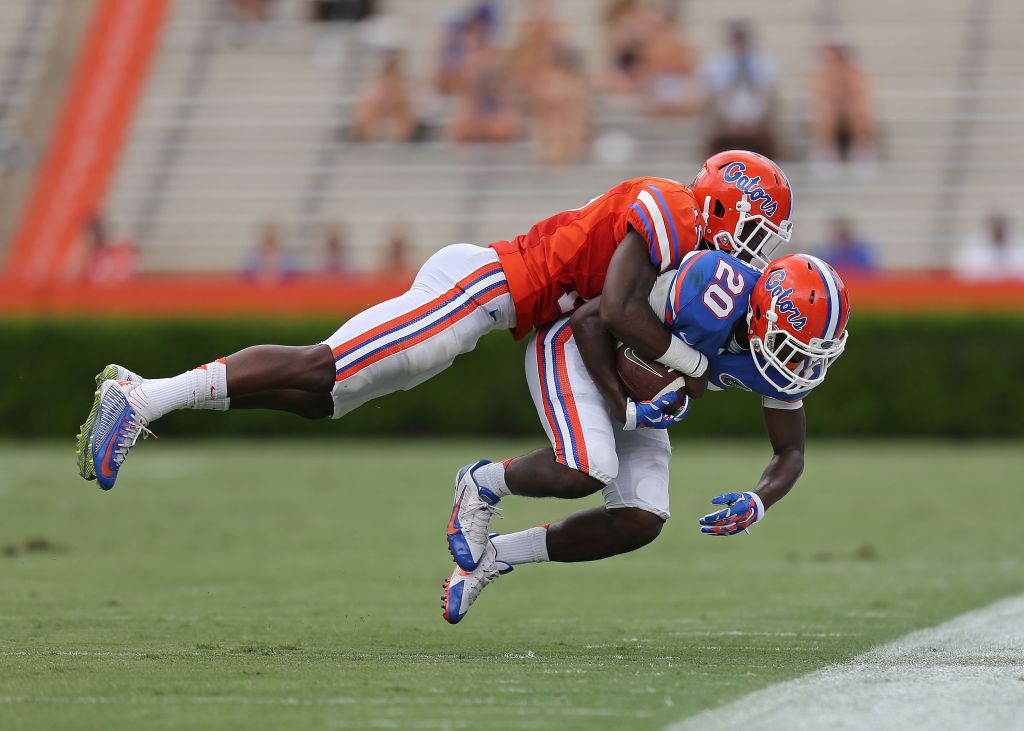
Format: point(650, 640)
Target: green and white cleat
point(83, 450)
point(114, 372)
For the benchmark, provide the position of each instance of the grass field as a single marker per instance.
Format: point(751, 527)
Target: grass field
point(296, 585)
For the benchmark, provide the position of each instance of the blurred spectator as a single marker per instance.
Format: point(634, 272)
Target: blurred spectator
point(327, 10)
point(627, 26)
point(246, 17)
point(850, 254)
point(538, 39)
point(335, 261)
point(249, 12)
point(396, 258)
point(842, 108)
point(484, 110)
point(465, 37)
point(385, 108)
point(992, 254)
point(268, 263)
point(561, 111)
point(669, 69)
point(100, 259)
point(742, 84)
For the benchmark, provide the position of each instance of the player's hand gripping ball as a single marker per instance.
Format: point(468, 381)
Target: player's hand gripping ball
point(647, 380)
point(742, 510)
point(660, 413)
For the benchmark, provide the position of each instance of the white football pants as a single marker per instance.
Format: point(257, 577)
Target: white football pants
point(633, 465)
point(459, 294)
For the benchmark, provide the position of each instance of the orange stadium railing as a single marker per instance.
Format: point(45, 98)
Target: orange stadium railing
point(212, 296)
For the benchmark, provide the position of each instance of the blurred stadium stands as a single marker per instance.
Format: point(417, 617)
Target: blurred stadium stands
point(237, 128)
point(26, 31)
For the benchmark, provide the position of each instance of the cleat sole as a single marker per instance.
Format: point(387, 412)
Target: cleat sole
point(444, 603)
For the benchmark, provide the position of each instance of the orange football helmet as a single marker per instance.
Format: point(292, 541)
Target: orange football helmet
point(746, 201)
point(797, 320)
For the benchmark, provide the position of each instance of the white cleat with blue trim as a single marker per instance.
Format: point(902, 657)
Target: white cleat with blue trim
point(470, 522)
point(463, 587)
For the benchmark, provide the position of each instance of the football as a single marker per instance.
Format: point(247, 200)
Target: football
point(646, 380)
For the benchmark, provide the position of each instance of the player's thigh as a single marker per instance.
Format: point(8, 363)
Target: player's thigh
point(571, 409)
point(452, 286)
point(459, 295)
point(643, 479)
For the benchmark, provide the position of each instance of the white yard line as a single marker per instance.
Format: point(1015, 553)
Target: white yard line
point(965, 674)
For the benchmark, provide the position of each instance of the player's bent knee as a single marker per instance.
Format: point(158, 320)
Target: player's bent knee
point(320, 408)
point(575, 484)
point(636, 527)
point(315, 366)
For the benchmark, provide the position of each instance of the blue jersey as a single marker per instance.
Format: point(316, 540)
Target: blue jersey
point(737, 370)
point(708, 295)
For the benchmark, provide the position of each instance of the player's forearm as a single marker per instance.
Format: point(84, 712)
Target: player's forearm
point(640, 328)
point(633, 322)
point(597, 349)
point(780, 475)
point(787, 429)
point(624, 302)
point(696, 386)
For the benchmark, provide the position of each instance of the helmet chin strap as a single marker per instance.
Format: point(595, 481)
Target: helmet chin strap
point(707, 209)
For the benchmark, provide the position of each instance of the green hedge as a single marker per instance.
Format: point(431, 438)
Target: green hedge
point(916, 376)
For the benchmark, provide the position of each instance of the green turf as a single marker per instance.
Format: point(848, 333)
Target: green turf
point(296, 585)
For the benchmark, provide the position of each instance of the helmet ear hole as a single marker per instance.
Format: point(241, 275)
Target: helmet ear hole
point(811, 298)
point(757, 312)
point(719, 209)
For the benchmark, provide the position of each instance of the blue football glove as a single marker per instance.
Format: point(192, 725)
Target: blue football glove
point(742, 510)
point(652, 414)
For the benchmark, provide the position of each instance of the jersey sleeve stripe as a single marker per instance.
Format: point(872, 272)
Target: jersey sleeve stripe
point(832, 317)
point(671, 223)
point(676, 291)
point(651, 205)
point(650, 233)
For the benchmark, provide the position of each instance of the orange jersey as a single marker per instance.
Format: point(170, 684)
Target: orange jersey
point(563, 260)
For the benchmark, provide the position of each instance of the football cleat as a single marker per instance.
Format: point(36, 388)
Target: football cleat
point(470, 522)
point(115, 372)
point(117, 428)
point(112, 372)
point(463, 587)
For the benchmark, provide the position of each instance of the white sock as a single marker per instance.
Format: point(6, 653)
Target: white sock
point(215, 404)
point(526, 546)
point(214, 394)
point(205, 387)
point(492, 476)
